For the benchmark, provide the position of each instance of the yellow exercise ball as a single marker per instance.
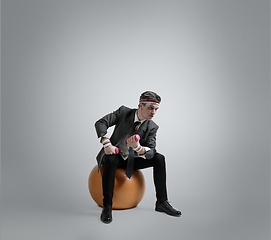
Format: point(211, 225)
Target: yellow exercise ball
point(127, 192)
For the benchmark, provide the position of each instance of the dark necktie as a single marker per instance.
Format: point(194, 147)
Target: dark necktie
point(130, 160)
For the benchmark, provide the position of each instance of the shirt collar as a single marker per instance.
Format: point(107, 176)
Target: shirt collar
point(137, 120)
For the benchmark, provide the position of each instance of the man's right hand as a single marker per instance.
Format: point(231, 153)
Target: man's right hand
point(110, 150)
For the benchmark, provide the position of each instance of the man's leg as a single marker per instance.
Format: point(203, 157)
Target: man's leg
point(110, 164)
point(159, 176)
point(159, 173)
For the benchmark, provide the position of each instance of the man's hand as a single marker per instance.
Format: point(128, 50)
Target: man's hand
point(132, 142)
point(110, 150)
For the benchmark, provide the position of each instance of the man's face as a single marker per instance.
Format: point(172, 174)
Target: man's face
point(148, 111)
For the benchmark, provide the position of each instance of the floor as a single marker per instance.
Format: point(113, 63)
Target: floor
point(79, 220)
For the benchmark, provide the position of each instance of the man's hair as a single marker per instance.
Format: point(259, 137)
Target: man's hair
point(149, 95)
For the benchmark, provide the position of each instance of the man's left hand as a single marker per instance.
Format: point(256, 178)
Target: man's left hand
point(132, 142)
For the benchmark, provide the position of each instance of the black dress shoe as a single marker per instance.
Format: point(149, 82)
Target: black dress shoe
point(106, 215)
point(167, 208)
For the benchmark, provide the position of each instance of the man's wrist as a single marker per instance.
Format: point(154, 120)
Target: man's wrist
point(106, 142)
point(142, 152)
point(138, 148)
point(102, 139)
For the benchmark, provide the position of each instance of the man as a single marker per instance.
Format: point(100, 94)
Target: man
point(133, 153)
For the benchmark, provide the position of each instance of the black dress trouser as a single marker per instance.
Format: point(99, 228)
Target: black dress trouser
point(112, 162)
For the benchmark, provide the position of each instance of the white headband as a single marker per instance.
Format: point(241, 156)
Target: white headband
point(149, 101)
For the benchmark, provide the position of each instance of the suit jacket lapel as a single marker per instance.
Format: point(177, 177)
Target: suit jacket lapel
point(142, 129)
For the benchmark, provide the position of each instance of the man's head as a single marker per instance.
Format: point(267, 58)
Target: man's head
point(148, 105)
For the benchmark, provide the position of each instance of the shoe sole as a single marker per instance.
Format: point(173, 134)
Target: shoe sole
point(106, 221)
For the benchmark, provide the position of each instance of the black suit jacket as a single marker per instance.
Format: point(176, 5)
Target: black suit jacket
point(123, 118)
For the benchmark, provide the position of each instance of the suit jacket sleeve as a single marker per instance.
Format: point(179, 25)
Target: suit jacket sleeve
point(151, 143)
point(107, 121)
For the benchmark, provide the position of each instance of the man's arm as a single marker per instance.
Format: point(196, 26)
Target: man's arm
point(110, 149)
point(107, 121)
point(149, 145)
point(103, 124)
point(133, 143)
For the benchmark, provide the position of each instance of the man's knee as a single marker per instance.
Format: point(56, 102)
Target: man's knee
point(160, 159)
point(110, 161)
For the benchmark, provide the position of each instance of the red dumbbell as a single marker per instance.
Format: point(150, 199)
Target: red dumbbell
point(116, 150)
point(137, 138)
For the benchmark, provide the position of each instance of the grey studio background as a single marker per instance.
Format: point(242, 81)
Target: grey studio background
point(65, 64)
